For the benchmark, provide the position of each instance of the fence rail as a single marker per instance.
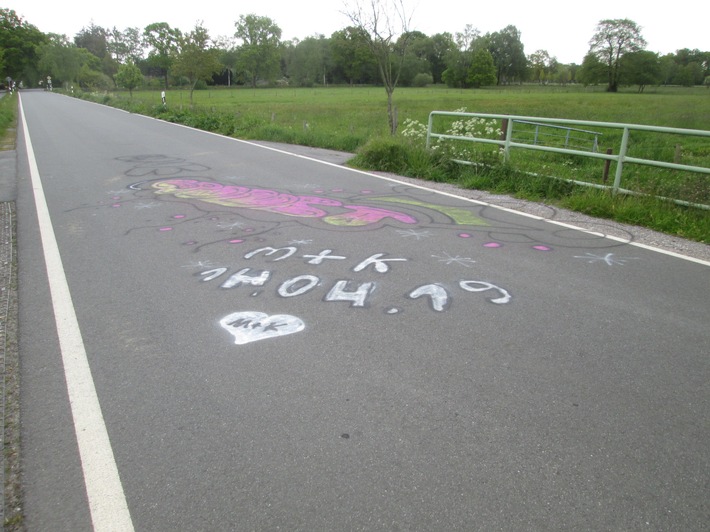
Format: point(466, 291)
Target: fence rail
point(621, 157)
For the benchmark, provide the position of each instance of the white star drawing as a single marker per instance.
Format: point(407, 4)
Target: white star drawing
point(233, 225)
point(448, 259)
point(608, 259)
point(199, 264)
point(418, 235)
point(299, 242)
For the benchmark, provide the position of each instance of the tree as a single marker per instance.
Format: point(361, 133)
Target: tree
point(64, 61)
point(228, 55)
point(129, 77)
point(541, 66)
point(508, 55)
point(164, 40)
point(382, 21)
point(310, 61)
point(126, 46)
point(352, 57)
point(442, 44)
point(482, 71)
point(642, 68)
point(259, 56)
point(19, 41)
point(197, 59)
point(416, 58)
point(592, 70)
point(94, 39)
point(613, 39)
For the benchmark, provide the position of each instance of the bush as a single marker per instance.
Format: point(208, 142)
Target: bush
point(422, 80)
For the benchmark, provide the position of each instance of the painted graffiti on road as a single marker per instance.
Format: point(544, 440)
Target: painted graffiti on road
point(246, 327)
point(238, 213)
point(356, 293)
point(243, 212)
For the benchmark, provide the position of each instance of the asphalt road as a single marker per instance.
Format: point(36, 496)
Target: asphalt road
point(279, 343)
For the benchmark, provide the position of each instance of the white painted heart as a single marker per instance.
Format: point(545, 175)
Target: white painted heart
point(251, 326)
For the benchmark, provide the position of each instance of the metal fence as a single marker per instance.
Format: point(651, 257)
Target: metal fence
point(571, 130)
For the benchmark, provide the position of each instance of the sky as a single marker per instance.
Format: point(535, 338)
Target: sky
point(562, 28)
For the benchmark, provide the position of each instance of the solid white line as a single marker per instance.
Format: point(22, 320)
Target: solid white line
point(107, 502)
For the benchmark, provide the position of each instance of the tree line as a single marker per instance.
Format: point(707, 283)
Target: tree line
point(101, 58)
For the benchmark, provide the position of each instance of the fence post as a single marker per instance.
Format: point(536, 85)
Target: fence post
point(607, 164)
point(428, 130)
point(508, 140)
point(620, 161)
point(503, 128)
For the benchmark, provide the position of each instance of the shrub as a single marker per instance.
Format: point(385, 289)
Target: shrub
point(422, 80)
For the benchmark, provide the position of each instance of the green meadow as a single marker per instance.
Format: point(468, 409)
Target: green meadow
point(354, 119)
point(347, 115)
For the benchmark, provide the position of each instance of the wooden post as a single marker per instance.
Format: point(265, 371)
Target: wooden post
point(607, 165)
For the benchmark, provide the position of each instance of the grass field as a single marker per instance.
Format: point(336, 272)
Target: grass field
point(354, 119)
point(357, 114)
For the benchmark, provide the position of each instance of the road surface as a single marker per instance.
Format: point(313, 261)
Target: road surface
point(218, 335)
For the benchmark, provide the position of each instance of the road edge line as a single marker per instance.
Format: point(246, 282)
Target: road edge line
point(107, 501)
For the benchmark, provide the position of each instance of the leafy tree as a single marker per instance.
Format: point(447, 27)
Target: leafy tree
point(508, 55)
point(94, 39)
point(563, 74)
point(459, 58)
point(541, 66)
point(468, 38)
point(129, 76)
point(642, 68)
point(228, 55)
point(310, 61)
point(163, 41)
point(126, 46)
point(416, 58)
point(18, 46)
point(614, 38)
point(482, 71)
point(197, 59)
point(352, 57)
point(64, 61)
point(259, 52)
point(458, 63)
point(383, 21)
point(592, 70)
point(441, 45)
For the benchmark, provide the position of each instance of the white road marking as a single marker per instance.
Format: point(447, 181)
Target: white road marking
point(107, 502)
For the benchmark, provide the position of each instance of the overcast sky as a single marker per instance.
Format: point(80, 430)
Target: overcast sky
point(563, 28)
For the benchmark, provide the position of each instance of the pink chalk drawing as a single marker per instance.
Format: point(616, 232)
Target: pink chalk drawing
point(278, 202)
